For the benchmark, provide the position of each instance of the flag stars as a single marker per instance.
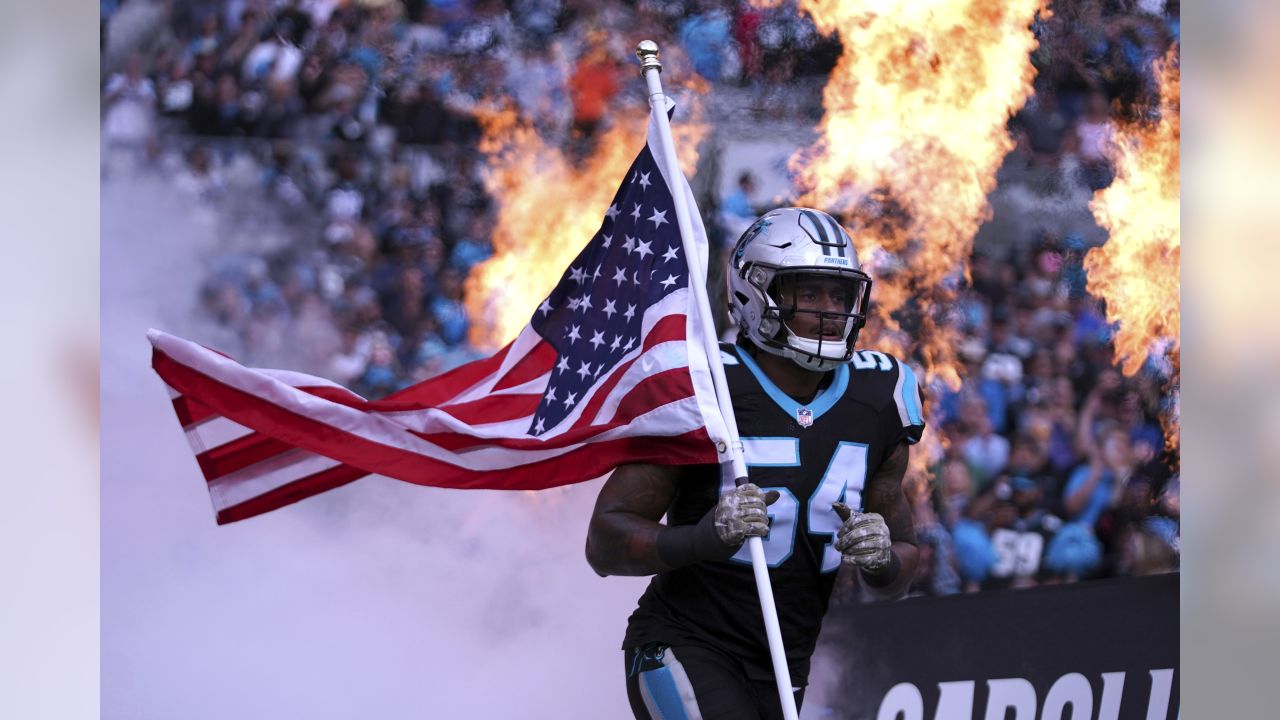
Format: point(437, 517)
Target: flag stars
point(605, 344)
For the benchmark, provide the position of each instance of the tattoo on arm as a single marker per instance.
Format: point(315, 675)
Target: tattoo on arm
point(622, 536)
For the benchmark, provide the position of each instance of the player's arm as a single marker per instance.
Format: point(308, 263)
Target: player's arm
point(625, 537)
point(881, 542)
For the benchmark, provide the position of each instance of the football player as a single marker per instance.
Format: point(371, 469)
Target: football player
point(826, 430)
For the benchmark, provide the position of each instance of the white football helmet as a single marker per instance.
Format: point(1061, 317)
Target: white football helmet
point(783, 246)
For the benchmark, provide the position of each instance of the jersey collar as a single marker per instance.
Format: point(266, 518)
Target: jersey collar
point(824, 401)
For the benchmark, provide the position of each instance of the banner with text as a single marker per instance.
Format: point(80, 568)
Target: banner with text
point(1103, 650)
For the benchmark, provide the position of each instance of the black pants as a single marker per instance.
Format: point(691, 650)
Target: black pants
point(686, 682)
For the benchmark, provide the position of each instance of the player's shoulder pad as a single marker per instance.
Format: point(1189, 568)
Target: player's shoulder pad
point(872, 362)
point(883, 374)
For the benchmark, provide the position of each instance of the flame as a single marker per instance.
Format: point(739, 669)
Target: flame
point(550, 204)
point(913, 134)
point(1136, 271)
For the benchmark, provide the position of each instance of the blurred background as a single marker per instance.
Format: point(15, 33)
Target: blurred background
point(362, 170)
point(377, 192)
point(353, 189)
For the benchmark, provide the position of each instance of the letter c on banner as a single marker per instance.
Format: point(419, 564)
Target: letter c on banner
point(903, 698)
point(1013, 693)
point(1071, 689)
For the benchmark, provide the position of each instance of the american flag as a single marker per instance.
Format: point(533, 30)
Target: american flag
point(610, 370)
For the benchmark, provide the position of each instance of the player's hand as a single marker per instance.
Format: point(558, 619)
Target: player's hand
point(863, 540)
point(741, 514)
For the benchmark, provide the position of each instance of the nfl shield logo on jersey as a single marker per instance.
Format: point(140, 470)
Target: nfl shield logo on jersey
point(804, 416)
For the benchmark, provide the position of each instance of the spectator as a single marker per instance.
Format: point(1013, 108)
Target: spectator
point(1020, 529)
point(448, 310)
point(705, 37)
point(1099, 484)
point(738, 210)
point(128, 106)
point(1090, 142)
point(986, 452)
point(592, 87)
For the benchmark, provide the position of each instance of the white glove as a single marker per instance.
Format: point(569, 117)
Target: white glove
point(741, 514)
point(863, 540)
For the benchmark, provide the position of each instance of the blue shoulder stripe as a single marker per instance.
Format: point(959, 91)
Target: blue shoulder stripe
point(825, 400)
point(907, 395)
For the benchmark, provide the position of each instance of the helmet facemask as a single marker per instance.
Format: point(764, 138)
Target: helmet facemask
point(812, 316)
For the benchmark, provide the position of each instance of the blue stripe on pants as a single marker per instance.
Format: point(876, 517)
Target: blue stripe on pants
point(661, 686)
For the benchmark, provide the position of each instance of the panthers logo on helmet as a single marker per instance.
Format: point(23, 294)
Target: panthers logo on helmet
point(752, 233)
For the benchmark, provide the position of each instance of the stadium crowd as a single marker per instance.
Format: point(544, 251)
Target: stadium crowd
point(354, 121)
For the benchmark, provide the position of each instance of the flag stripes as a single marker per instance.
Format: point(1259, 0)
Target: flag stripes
point(564, 402)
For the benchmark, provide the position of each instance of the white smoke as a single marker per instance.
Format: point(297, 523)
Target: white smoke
point(379, 599)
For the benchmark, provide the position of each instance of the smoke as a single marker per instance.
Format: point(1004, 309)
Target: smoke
point(379, 599)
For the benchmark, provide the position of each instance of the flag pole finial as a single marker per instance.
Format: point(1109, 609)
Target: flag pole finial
point(647, 51)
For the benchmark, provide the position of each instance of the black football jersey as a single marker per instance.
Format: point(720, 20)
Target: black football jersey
point(1020, 549)
point(813, 454)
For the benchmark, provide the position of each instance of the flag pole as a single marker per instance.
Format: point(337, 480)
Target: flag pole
point(650, 68)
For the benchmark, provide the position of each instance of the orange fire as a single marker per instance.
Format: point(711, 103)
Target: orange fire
point(913, 134)
point(550, 204)
point(1136, 271)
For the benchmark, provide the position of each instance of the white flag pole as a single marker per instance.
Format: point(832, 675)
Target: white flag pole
point(650, 67)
